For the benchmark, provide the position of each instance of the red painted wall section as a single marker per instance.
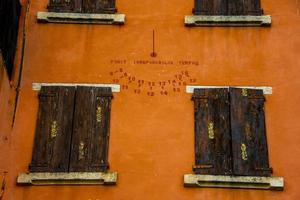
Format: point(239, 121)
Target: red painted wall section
point(152, 126)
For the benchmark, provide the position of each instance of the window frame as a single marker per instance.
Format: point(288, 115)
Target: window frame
point(225, 119)
point(227, 14)
point(81, 12)
point(63, 123)
point(223, 180)
point(83, 6)
point(100, 176)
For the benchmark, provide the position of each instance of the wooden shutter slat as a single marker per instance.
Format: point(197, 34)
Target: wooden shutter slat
point(82, 129)
point(65, 5)
point(212, 132)
point(203, 7)
point(99, 6)
point(252, 7)
point(210, 7)
point(227, 7)
point(53, 130)
point(99, 154)
point(249, 143)
point(91, 129)
point(236, 7)
point(219, 7)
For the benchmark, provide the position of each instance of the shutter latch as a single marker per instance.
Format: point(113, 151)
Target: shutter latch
point(81, 152)
point(244, 92)
point(244, 151)
point(207, 166)
point(210, 130)
point(99, 113)
point(270, 169)
point(54, 129)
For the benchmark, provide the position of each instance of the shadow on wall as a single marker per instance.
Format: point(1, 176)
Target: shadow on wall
point(9, 23)
point(1, 70)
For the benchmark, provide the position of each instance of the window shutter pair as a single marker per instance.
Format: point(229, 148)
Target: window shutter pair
point(230, 133)
point(227, 7)
point(72, 130)
point(83, 6)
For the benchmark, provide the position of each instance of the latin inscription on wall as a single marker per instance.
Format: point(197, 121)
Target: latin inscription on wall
point(129, 81)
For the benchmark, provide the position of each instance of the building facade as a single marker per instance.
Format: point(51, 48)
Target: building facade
point(124, 98)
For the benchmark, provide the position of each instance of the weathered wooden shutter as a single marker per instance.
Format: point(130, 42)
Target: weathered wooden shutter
point(210, 7)
point(203, 7)
point(249, 143)
point(212, 132)
point(99, 6)
point(236, 7)
point(219, 7)
point(227, 7)
point(65, 5)
point(53, 130)
point(252, 7)
point(91, 129)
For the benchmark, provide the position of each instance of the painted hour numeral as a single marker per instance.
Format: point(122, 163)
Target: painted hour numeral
point(137, 91)
point(150, 93)
point(163, 92)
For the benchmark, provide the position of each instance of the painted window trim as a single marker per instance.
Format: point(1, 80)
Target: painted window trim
point(80, 18)
point(246, 182)
point(224, 20)
point(233, 181)
point(68, 178)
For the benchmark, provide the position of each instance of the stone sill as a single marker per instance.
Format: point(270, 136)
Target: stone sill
point(81, 18)
point(71, 178)
point(114, 87)
point(247, 182)
point(265, 89)
point(208, 20)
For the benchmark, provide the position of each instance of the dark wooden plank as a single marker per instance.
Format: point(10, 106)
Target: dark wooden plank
point(236, 7)
point(91, 129)
point(203, 7)
point(82, 128)
point(99, 154)
point(252, 7)
point(249, 142)
point(53, 130)
point(212, 132)
point(227, 7)
point(99, 6)
point(65, 6)
point(220, 7)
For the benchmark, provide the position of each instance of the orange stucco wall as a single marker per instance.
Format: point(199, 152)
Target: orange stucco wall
point(6, 108)
point(8, 94)
point(152, 134)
